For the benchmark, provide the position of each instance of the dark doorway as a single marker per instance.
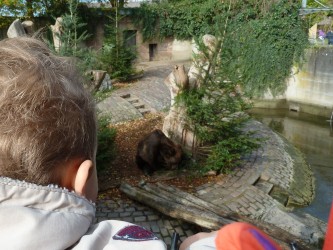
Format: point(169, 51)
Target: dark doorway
point(152, 51)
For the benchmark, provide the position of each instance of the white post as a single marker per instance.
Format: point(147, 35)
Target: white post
point(303, 3)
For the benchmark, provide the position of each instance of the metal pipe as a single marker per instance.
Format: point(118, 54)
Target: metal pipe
point(174, 241)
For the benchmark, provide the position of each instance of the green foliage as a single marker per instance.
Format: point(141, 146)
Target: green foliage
point(227, 154)
point(262, 39)
point(102, 94)
point(318, 16)
point(147, 18)
point(116, 57)
point(106, 143)
point(72, 37)
point(117, 60)
point(182, 19)
point(265, 46)
point(216, 108)
point(6, 21)
point(72, 33)
point(33, 8)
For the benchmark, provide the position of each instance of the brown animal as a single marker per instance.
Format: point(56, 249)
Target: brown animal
point(156, 151)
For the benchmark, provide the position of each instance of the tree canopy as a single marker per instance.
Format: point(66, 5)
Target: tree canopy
point(32, 8)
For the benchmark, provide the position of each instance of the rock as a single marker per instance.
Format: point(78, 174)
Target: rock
point(28, 27)
point(176, 124)
point(98, 76)
point(211, 173)
point(201, 61)
point(56, 32)
point(177, 81)
point(106, 83)
point(16, 29)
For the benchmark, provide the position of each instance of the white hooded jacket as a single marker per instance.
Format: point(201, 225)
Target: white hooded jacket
point(36, 217)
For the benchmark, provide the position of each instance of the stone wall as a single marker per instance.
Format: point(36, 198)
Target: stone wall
point(310, 89)
point(153, 50)
point(157, 50)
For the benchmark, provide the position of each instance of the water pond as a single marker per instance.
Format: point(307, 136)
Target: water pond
point(313, 136)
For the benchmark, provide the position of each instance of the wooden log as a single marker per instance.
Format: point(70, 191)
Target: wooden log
point(190, 214)
point(181, 205)
point(181, 195)
point(178, 197)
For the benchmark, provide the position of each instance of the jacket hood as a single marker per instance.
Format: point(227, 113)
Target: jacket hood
point(41, 217)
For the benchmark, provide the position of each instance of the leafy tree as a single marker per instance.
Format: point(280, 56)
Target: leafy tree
point(216, 111)
point(11, 7)
point(263, 37)
point(32, 8)
point(116, 57)
point(71, 35)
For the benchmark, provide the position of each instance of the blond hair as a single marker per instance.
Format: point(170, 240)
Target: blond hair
point(46, 116)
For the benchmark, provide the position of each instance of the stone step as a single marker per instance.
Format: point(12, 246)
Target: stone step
point(264, 186)
point(139, 105)
point(144, 111)
point(125, 95)
point(132, 100)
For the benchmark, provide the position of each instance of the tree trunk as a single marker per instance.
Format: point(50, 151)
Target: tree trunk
point(181, 205)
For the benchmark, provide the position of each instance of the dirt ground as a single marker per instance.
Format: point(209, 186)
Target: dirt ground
point(123, 168)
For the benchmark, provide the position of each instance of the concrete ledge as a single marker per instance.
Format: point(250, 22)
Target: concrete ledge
point(312, 109)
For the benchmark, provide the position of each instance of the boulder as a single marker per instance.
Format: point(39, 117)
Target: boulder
point(28, 27)
point(56, 32)
point(16, 29)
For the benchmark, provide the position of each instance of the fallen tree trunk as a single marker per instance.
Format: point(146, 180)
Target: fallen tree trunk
point(181, 205)
point(191, 214)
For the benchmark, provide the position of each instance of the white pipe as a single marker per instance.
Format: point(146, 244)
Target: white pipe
point(303, 3)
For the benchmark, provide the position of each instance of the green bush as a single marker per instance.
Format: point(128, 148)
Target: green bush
point(116, 56)
point(216, 111)
point(117, 60)
point(106, 148)
point(226, 154)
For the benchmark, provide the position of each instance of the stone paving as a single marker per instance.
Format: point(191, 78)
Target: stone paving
point(133, 212)
point(148, 94)
point(262, 188)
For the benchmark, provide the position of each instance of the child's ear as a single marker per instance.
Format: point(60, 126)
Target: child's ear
point(81, 178)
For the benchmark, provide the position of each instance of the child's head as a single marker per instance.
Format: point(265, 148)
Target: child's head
point(47, 119)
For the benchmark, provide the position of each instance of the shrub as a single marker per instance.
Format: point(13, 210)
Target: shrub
point(226, 154)
point(117, 60)
point(116, 56)
point(106, 148)
point(217, 111)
